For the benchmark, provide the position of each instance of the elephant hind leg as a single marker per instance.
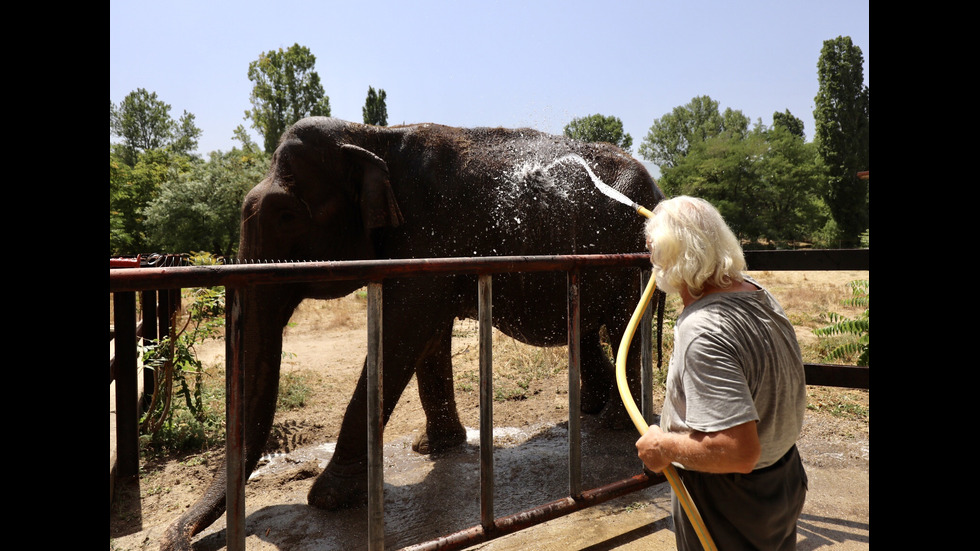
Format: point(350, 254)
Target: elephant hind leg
point(597, 374)
point(434, 370)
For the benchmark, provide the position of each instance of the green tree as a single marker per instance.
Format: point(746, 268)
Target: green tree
point(723, 169)
point(672, 136)
point(842, 117)
point(131, 188)
point(375, 111)
point(286, 89)
point(790, 123)
point(599, 128)
point(766, 183)
point(200, 210)
point(791, 185)
point(144, 123)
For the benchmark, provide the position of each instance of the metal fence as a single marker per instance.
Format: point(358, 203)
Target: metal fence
point(124, 283)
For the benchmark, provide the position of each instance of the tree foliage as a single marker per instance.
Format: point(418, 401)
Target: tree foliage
point(200, 210)
point(131, 188)
point(788, 122)
point(791, 183)
point(285, 89)
point(765, 182)
point(599, 128)
point(724, 170)
point(672, 136)
point(375, 110)
point(842, 118)
point(144, 123)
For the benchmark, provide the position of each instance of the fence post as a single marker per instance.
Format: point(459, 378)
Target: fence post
point(485, 298)
point(646, 354)
point(148, 311)
point(574, 385)
point(234, 421)
point(127, 407)
point(375, 420)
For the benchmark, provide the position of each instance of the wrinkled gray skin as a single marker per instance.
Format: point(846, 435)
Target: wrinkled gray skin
point(344, 191)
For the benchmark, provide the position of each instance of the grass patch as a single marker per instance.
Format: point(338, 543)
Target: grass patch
point(294, 390)
point(841, 403)
point(517, 366)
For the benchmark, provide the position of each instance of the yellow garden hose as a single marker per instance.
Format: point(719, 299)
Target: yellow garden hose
point(624, 392)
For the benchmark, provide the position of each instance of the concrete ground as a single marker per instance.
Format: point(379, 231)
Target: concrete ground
point(426, 498)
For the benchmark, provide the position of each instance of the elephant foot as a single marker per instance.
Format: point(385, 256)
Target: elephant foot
point(338, 488)
point(440, 441)
point(615, 417)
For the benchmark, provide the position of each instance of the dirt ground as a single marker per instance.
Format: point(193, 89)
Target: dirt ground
point(426, 497)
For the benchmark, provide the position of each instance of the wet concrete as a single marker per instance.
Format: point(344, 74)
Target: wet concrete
point(428, 497)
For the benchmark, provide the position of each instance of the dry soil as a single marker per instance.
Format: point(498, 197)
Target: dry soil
point(426, 497)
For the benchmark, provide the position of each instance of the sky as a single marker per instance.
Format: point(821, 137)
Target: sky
point(529, 63)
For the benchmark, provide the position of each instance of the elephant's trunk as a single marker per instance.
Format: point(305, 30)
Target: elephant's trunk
point(265, 313)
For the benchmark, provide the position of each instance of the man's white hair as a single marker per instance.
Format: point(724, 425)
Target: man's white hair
point(691, 245)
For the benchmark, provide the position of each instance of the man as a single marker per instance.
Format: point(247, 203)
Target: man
point(735, 387)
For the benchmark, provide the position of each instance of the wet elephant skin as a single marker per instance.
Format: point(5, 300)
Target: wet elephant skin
point(344, 191)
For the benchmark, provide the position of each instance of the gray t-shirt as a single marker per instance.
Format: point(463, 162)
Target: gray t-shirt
point(736, 359)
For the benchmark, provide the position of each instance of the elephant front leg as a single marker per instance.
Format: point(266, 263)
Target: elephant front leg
point(343, 483)
point(437, 392)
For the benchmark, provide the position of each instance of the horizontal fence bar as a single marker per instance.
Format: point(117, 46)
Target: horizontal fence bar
point(847, 376)
point(549, 511)
point(809, 259)
point(240, 275)
point(243, 275)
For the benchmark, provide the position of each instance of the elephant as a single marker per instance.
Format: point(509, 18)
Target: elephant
point(344, 191)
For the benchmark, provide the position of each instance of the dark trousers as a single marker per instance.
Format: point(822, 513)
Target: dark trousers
point(745, 511)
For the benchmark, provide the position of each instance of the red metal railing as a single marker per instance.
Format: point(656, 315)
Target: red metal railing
point(125, 282)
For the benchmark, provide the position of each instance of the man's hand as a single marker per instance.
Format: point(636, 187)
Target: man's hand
point(650, 448)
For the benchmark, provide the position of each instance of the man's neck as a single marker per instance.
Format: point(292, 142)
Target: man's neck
point(710, 289)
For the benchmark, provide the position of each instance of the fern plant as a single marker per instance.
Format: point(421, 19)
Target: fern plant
point(859, 343)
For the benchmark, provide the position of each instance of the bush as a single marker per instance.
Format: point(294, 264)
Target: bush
point(185, 412)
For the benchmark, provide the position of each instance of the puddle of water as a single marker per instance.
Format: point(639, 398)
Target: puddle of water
point(427, 497)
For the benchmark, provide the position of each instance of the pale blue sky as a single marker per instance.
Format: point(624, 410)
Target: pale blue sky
point(508, 63)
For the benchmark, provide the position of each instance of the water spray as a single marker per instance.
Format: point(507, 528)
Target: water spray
point(680, 491)
point(605, 188)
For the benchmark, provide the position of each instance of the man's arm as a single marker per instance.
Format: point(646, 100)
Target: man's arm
point(733, 450)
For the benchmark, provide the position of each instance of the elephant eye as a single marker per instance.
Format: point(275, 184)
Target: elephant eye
point(292, 222)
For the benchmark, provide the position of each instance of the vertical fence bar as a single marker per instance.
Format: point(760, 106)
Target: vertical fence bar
point(574, 385)
point(127, 412)
point(148, 313)
point(646, 354)
point(375, 420)
point(165, 310)
point(234, 420)
point(485, 315)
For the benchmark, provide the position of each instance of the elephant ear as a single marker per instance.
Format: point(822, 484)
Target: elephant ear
point(379, 209)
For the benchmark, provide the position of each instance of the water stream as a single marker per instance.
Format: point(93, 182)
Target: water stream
point(605, 188)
